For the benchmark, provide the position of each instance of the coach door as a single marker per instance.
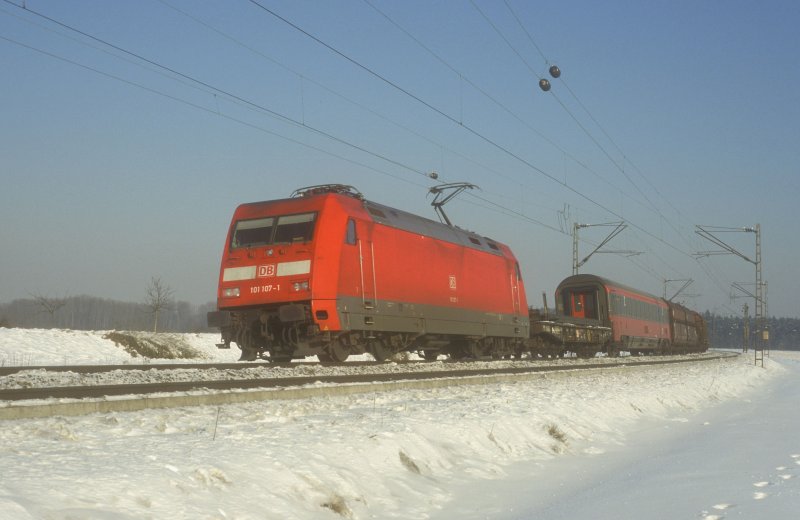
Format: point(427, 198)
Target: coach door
point(516, 277)
point(584, 304)
point(578, 305)
point(366, 254)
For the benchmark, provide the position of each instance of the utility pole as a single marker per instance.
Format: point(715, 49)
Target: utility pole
point(619, 227)
point(746, 332)
point(766, 317)
point(708, 232)
point(745, 310)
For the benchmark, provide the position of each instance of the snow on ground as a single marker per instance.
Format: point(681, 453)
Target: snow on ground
point(737, 459)
point(497, 451)
point(83, 347)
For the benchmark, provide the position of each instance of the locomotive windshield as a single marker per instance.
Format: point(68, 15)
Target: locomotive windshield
point(285, 229)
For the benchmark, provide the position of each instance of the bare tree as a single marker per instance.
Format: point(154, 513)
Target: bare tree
point(49, 305)
point(159, 298)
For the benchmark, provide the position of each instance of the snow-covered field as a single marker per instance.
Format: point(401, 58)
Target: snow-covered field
point(536, 449)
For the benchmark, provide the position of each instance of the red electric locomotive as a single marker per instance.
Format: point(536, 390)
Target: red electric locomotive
point(328, 273)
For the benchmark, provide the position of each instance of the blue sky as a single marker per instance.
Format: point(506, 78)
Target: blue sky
point(667, 114)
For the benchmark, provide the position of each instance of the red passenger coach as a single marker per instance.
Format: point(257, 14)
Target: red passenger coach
point(329, 273)
point(639, 321)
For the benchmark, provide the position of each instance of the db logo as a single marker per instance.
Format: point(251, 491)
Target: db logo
point(266, 270)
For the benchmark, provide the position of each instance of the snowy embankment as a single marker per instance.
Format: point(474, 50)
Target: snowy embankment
point(85, 347)
point(391, 455)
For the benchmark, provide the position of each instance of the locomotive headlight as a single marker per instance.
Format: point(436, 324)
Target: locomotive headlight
point(231, 292)
point(300, 286)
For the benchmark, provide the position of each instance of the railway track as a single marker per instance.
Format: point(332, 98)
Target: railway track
point(111, 390)
point(97, 369)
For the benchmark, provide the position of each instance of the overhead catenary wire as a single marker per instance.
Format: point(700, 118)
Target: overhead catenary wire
point(625, 157)
point(472, 130)
point(203, 108)
point(483, 202)
point(275, 113)
point(669, 222)
point(466, 79)
point(454, 120)
point(362, 106)
point(561, 103)
point(301, 123)
point(284, 118)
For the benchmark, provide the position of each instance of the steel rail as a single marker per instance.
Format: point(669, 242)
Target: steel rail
point(97, 369)
point(100, 391)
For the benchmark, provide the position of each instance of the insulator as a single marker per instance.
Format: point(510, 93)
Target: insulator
point(555, 71)
point(544, 84)
point(433, 175)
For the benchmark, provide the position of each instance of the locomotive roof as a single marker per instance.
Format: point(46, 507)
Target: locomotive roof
point(398, 218)
point(579, 279)
point(424, 226)
point(404, 220)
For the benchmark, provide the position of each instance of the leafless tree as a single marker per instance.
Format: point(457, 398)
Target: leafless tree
point(159, 298)
point(49, 305)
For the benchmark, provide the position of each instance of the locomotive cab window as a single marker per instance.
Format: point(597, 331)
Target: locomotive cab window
point(294, 228)
point(253, 233)
point(273, 230)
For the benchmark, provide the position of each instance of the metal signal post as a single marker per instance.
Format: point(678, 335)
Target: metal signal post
point(761, 330)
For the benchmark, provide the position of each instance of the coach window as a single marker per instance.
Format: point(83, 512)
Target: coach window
point(351, 237)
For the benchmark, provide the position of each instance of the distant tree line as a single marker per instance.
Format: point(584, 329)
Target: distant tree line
point(92, 313)
point(728, 332)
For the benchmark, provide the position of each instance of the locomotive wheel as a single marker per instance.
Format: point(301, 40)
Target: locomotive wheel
point(337, 352)
point(248, 354)
point(380, 350)
point(244, 340)
point(430, 355)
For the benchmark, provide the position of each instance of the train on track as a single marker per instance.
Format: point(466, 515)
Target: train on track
point(329, 273)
